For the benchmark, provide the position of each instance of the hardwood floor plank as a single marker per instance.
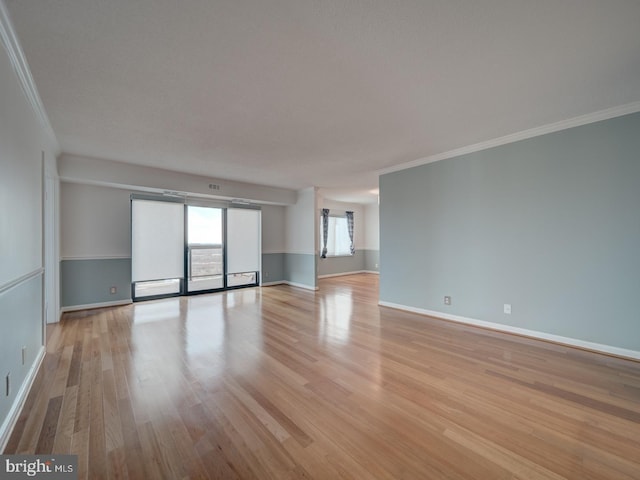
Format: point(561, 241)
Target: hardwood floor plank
point(97, 427)
point(274, 412)
point(74, 369)
point(34, 422)
point(283, 383)
point(80, 447)
point(65, 427)
point(132, 447)
point(49, 426)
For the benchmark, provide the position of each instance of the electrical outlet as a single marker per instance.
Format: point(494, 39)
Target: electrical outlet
point(113, 290)
point(8, 384)
point(266, 274)
point(447, 300)
point(376, 265)
point(24, 355)
point(507, 308)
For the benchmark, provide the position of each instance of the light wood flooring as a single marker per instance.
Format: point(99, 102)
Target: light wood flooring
point(283, 383)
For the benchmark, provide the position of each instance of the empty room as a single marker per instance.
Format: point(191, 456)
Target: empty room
point(307, 239)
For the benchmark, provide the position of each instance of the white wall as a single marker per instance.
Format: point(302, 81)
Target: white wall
point(372, 226)
point(301, 223)
point(273, 229)
point(134, 177)
point(21, 146)
point(95, 222)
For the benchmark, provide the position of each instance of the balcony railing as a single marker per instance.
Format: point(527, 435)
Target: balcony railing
point(204, 260)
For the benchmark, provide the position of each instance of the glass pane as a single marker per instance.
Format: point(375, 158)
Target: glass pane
point(170, 286)
point(204, 225)
point(238, 279)
point(342, 241)
point(204, 249)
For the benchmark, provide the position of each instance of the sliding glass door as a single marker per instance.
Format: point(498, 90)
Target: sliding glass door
point(205, 249)
point(180, 249)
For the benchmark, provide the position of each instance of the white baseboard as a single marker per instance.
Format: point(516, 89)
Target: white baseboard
point(300, 285)
point(341, 274)
point(89, 306)
point(16, 409)
point(572, 342)
point(286, 282)
point(271, 284)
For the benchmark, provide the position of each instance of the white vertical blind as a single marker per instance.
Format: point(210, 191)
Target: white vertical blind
point(157, 240)
point(243, 240)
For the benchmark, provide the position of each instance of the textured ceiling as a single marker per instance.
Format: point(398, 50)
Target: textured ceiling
point(295, 93)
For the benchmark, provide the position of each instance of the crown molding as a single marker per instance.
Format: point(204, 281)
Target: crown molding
point(19, 63)
point(523, 135)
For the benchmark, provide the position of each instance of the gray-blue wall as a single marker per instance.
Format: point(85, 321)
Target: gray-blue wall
point(20, 326)
point(89, 281)
point(368, 260)
point(550, 225)
point(342, 264)
point(300, 269)
point(372, 260)
point(272, 267)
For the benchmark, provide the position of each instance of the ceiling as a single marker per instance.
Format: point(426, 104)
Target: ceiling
point(295, 93)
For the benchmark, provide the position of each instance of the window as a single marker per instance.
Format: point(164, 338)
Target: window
point(157, 242)
point(179, 249)
point(338, 241)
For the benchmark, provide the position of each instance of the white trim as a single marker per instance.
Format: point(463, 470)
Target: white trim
point(20, 66)
point(284, 282)
point(572, 342)
point(96, 257)
point(24, 278)
point(329, 275)
point(90, 306)
point(287, 282)
point(18, 404)
point(273, 252)
point(523, 135)
point(301, 285)
point(271, 284)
